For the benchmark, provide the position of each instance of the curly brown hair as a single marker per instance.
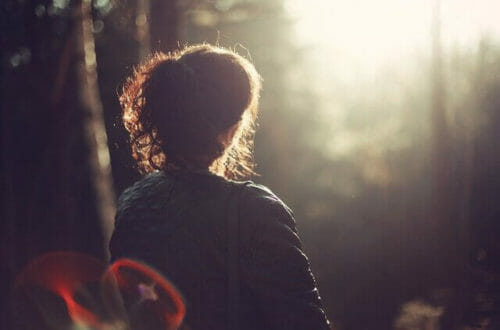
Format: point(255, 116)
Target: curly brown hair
point(177, 105)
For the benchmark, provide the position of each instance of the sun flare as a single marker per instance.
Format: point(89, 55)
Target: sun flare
point(373, 33)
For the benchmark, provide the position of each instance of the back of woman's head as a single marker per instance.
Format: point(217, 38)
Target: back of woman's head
point(177, 106)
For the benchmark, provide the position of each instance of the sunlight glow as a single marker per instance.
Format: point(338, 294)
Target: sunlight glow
point(369, 29)
point(372, 33)
point(362, 59)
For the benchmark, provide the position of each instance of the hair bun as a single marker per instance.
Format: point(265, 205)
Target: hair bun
point(177, 105)
point(172, 72)
point(175, 67)
point(171, 86)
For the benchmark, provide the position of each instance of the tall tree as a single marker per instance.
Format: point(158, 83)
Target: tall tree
point(94, 127)
point(164, 24)
point(53, 196)
point(441, 146)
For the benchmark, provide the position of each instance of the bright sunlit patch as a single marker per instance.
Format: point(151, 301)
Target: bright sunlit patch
point(362, 58)
point(361, 35)
point(465, 21)
point(370, 33)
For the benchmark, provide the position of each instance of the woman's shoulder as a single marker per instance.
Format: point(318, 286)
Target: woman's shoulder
point(255, 200)
point(146, 193)
point(260, 193)
point(149, 185)
point(154, 184)
point(261, 202)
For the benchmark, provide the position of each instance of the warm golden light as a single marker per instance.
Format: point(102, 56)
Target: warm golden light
point(367, 34)
point(362, 59)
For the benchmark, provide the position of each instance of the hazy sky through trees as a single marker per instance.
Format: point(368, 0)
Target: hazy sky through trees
point(360, 54)
point(374, 32)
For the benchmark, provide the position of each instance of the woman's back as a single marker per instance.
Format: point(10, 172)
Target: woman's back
point(177, 222)
point(230, 247)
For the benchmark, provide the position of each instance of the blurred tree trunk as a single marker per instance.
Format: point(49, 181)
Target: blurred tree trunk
point(444, 226)
point(164, 24)
point(143, 16)
point(451, 229)
point(482, 210)
point(94, 127)
point(441, 144)
point(52, 193)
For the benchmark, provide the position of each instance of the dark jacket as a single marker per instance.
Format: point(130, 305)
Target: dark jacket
point(177, 223)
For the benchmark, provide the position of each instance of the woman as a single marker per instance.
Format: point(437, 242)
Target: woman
point(230, 247)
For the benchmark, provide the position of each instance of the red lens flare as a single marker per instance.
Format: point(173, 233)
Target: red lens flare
point(132, 295)
point(64, 274)
point(147, 293)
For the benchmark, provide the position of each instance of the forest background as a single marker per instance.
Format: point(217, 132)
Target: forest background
point(379, 127)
